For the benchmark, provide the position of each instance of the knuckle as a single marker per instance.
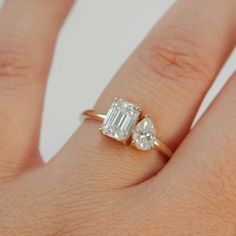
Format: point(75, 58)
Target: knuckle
point(175, 55)
point(16, 57)
point(13, 63)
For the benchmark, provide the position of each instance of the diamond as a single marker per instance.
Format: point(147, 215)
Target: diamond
point(144, 136)
point(120, 120)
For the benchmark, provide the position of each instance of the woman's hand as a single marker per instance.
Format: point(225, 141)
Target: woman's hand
point(95, 186)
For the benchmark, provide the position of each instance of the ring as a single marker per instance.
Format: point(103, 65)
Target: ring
point(124, 123)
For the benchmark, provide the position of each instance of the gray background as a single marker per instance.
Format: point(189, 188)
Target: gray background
point(97, 38)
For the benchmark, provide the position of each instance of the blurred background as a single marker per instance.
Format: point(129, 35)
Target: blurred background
point(95, 41)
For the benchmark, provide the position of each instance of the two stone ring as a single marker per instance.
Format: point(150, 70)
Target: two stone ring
point(124, 123)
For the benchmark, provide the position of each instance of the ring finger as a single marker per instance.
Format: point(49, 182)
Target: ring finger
point(168, 76)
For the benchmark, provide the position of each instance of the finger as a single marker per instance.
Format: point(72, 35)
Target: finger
point(167, 76)
point(210, 147)
point(203, 172)
point(28, 30)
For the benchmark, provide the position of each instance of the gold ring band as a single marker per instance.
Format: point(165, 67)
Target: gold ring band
point(123, 122)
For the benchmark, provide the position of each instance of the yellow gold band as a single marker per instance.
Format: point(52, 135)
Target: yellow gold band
point(160, 146)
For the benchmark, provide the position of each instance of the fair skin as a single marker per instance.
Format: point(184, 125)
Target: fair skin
point(95, 186)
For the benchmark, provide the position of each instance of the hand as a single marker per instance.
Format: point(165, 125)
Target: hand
point(95, 186)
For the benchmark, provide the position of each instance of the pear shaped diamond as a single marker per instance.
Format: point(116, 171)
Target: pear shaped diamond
point(144, 136)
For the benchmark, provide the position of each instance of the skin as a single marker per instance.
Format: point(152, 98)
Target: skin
point(95, 186)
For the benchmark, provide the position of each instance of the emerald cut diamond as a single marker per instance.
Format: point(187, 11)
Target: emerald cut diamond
point(120, 120)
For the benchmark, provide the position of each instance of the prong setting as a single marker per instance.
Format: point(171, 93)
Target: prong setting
point(120, 120)
point(133, 142)
point(124, 122)
point(144, 136)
